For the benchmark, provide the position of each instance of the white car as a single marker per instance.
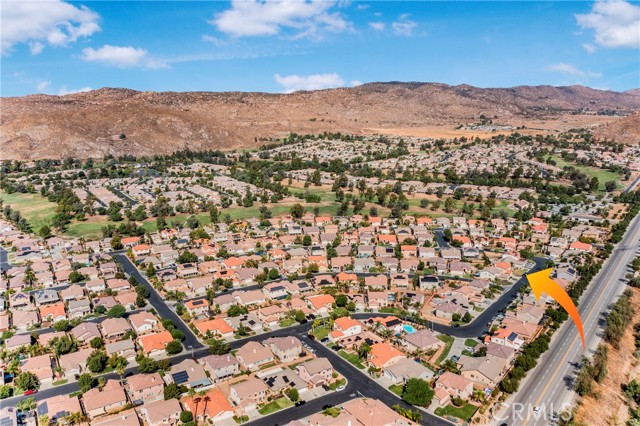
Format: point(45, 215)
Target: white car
point(536, 410)
point(340, 388)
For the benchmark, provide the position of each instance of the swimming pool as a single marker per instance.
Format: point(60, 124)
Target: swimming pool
point(408, 328)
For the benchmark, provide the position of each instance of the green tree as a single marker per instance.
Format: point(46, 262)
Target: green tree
point(27, 381)
point(297, 211)
point(97, 361)
point(417, 392)
point(147, 365)
point(62, 325)
point(86, 382)
point(186, 416)
point(172, 391)
point(293, 394)
point(173, 347)
point(219, 347)
point(117, 311)
point(63, 345)
point(96, 343)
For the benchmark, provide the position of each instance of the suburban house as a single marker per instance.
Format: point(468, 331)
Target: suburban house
point(143, 388)
point(111, 398)
point(249, 393)
point(253, 355)
point(188, 373)
point(317, 372)
point(221, 366)
point(285, 348)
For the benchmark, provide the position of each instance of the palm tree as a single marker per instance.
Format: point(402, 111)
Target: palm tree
point(79, 417)
point(29, 276)
point(206, 400)
point(196, 401)
point(121, 370)
point(418, 353)
point(364, 350)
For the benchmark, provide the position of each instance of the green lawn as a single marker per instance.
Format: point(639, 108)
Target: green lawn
point(465, 412)
point(397, 389)
point(287, 322)
point(603, 175)
point(352, 358)
point(276, 405)
point(60, 382)
point(448, 341)
point(33, 207)
point(391, 310)
point(471, 343)
point(321, 332)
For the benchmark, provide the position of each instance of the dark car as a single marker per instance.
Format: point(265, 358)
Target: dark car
point(301, 402)
point(311, 336)
point(456, 325)
point(327, 406)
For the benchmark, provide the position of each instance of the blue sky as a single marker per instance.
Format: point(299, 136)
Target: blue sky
point(59, 47)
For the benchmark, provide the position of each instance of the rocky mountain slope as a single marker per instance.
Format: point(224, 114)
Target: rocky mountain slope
point(122, 121)
point(625, 130)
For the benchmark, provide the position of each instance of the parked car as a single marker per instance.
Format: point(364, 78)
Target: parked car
point(30, 392)
point(301, 402)
point(340, 388)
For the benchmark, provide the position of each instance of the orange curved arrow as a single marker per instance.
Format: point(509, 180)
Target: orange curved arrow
point(541, 283)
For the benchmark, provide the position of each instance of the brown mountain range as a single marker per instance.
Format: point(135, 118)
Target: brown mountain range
point(122, 121)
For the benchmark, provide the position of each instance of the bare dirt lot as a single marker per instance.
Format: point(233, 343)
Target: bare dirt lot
point(607, 407)
point(532, 127)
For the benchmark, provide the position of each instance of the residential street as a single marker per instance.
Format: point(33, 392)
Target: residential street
point(157, 301)
point(548, 386)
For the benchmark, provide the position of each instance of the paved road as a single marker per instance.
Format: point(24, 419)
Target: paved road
point(549, 385)
point(439, 234)
point(358, 385)
point(157, 301)
point(4, 260)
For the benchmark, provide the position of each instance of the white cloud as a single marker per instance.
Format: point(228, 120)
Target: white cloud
point(294, 82)
point(378, 26)
point(403, 26)
point(64, 91)
point(354, 83)
point(36, 47)
point(121, 57)
point(616, 23)
point(213, 40)
point(589, 47)
point(264, 18)
point(572, 70)
point(53, 22)
point(42, 86)
point(362, 6)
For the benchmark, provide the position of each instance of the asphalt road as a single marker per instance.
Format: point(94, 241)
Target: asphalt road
point(4, 260)
point(439, 234)
point(479, 324)
point(548, 386)
point(157, 301)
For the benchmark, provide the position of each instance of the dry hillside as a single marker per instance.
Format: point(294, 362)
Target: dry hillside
point(90, 124)
point(625, 130)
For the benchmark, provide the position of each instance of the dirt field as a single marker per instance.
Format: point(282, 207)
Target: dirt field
point(608, 406)
point(532, 127)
